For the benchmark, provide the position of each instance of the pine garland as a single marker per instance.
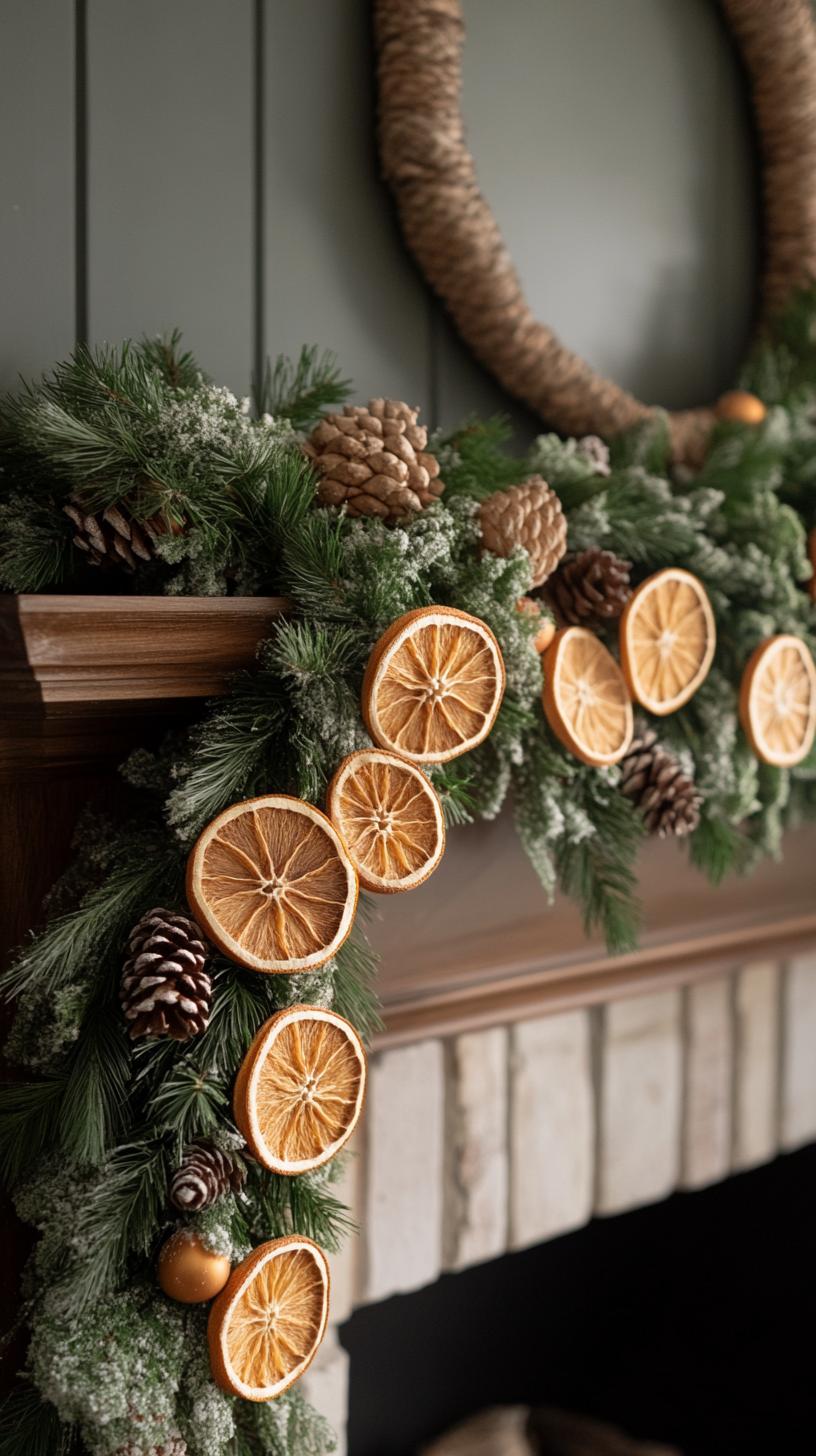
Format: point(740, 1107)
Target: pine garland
point(90, 1139)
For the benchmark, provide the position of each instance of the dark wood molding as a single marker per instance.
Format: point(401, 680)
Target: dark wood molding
point(82, 678)
point(68, 649)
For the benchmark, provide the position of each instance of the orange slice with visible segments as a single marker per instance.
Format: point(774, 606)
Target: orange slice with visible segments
point(778, 701)
point(433, 685)
point(390, 818)
point(667, 640)
point(585, 697)
point(300, 1089)
point(271, 883)
point(266, 1325)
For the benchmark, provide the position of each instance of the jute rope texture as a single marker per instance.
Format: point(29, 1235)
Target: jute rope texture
point(452, 232)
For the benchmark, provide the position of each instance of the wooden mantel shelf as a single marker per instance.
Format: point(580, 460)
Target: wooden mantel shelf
point(66, 649)
point(86, 678)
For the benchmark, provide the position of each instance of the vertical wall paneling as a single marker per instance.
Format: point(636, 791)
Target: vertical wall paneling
point(611, 142)
point(337, 273)
point(171, 176)
point(37, 190)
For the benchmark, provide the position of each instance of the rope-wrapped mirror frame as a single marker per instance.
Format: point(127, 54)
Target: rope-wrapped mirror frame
point(450, 228)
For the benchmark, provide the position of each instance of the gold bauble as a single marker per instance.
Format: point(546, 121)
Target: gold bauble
point(545, 626)
point(740, 407)
point(190, 1272)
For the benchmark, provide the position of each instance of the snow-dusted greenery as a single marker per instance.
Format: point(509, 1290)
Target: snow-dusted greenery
point(88, 1142)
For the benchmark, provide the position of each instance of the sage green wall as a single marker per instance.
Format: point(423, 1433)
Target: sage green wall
point(211, 163)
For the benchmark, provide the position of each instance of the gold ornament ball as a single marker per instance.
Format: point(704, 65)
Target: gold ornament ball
point(190, 1272)
point(740, 407)
point(529, 607)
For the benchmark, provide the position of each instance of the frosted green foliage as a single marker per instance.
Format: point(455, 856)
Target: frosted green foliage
point(490, 775)
point(290, 1427)
point(315, 987)
point(222, 1228)
point(205, 1414)
point(576, 469)
point(114, 1371)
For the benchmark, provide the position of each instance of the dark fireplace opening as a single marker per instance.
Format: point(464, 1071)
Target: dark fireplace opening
point(689, 1322)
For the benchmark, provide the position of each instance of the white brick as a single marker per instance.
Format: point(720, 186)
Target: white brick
point(326, 1386)
point(757, 1062)
point(476, 1149)
point(641, 1094)
point(799, 1075)
point(346, 1265)
point(403, 1206)
point(708, 1082)
point(552, 1127)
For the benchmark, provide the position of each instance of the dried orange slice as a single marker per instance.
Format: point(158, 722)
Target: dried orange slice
point(585, 697)
point(390, 818)
point(266, 1325)
point(271, 883)
point(300, 1089)
point(667, 640)
point(778, 701)
point(433, 685)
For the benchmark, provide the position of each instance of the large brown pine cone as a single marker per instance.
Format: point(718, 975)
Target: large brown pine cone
point(373, 460)
point(204, 1174)
point(654, 780)
point(166, 990)
point(109, 538)
point(590, 587)
point(527, 515)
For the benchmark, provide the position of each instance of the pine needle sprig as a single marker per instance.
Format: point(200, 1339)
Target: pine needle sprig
point(302, 390)
point(599, 871)
point(64, 949)
point(303, 1205)
point(227, 754)
point(355, 978)
point(30, 1426)
point(28, 1115)
point(474, 460)
point(94, 1103)
point(121, 1216)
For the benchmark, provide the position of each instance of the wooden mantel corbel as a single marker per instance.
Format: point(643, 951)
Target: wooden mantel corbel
point(85, 679)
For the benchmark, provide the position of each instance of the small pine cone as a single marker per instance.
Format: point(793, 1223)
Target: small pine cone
point(590, 587)
point(373, 460)
point(527, 515)
point(109, 538)
point(596, 452)
point(204, 1174)
point(654, 780)
point(166, 990)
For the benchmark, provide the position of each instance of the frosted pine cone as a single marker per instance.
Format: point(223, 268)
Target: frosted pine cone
point(527, 515)
point(654, 780)
point(373, 460)
point(109, 538)
point(590, 587)
point(166, 990)
point(204, 1174)
point(596, 452)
